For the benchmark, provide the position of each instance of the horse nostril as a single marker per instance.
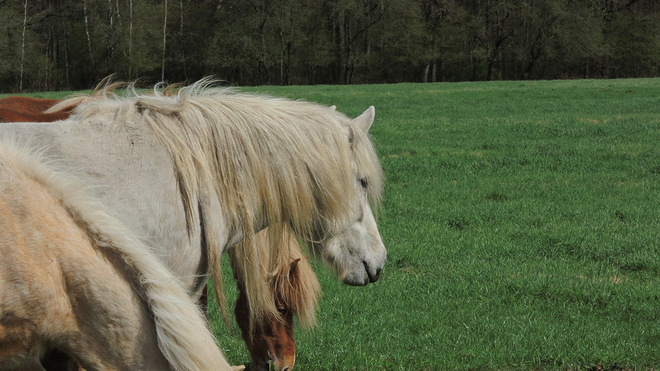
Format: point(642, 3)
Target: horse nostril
point(375, 277)
point(287, 368)
point(372, 278)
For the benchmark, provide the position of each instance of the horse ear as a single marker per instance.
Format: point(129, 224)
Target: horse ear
point(294, 265)
point(365, 120)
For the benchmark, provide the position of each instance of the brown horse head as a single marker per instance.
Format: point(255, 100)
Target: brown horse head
point(272, 339)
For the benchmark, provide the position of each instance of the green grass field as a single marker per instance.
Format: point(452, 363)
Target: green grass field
point(521, 220)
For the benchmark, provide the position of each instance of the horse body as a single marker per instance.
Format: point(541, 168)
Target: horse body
point(67, 293)
point(193, 175)
point(74, 280)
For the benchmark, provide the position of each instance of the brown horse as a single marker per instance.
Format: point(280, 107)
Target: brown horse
point(296, 291)
point(75, 280)
point(25, 109)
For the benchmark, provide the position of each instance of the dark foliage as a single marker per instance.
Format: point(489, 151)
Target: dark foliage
point(67, 44)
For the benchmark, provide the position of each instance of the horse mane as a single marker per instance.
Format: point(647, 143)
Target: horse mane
point(183, 336)
point(296, 284)
point(267, 160)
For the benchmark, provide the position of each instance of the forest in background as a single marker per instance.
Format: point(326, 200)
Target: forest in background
point(50, 45)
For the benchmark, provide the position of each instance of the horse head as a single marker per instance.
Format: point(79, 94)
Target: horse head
point(272, 341)
point(355, 249)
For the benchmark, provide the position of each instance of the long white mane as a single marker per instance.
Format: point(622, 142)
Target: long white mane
point(183, 336)
point(269, 161)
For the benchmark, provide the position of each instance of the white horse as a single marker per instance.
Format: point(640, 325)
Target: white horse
point(196, 173)
point(75, 280)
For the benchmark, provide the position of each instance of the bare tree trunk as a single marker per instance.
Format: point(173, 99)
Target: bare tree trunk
point(130, 39)
point(118, 14)
point(347, 44)
point(281, 58)
point(425, 73)
point(110, 12)
point(162, 75)
point(434, 70)
point(49, 47)
point(183, 49)
point(109, 36)
point(66, 55)
point(89, 39)
point(20, 87)
point(263, 49)
point(382, 42)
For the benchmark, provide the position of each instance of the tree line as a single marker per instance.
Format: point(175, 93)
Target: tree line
point(72, 44)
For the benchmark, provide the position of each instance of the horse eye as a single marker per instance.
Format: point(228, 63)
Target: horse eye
point(363, 183)
point(281, 310)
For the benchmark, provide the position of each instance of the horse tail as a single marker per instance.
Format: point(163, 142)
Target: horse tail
point(183, 336)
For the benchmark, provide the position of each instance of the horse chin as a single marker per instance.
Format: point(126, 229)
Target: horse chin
point(356, 279)
point(262, 366)
point(351, 267)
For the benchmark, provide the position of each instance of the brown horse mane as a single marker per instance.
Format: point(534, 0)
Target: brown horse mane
point(291, 278)
point(294, 280)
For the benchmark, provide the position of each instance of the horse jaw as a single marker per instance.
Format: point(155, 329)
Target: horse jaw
point(357, 253)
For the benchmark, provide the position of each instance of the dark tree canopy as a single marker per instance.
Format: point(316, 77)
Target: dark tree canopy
point(72, 44)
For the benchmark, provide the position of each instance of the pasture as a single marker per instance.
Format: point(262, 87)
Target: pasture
point(522, 222)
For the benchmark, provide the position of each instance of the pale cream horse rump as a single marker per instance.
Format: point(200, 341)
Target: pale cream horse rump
point(75, 280)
